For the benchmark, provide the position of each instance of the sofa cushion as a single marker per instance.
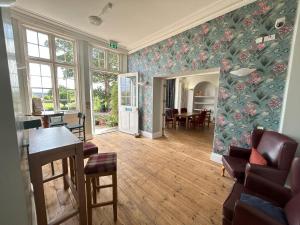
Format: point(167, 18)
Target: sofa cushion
point(265, 207)
point(257, 158)
point(235, 166)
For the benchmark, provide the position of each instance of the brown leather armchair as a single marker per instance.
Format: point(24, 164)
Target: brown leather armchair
point(238, 213)
point(276, 148)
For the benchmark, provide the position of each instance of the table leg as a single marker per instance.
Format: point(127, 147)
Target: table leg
point(65, 172)
point(174, 122)
point(186, 122)
point(79, 164)
point(36, 175)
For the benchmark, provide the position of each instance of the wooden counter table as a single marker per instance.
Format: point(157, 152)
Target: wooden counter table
point(48, 145)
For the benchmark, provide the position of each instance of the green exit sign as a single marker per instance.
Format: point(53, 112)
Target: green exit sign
point(113, 44)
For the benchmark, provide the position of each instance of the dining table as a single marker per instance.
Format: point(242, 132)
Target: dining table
point(46, 146)
point(186, 116)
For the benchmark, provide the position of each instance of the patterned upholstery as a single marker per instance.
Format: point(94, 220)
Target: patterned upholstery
point(103, 162)
point(89, 149)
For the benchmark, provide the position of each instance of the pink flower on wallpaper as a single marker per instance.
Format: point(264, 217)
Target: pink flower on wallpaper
point(203, 56)
point(185, 48)
point(234, 141)
point(223, 93)
point(228, 35)
point(178, 55)
point(250, 109)
point(156, 56)
point(221, 17)
point(238, 116)
point(244, 56)
point(170, 63)
point(248, 22)
point(219, 146)
point(274, 103)
point(263, 8)
point(254, 78)
point(240, 86)
point(246, 138)
point(279, 68)
point(205, 28)
point(170, 42)
point(225, 65)
point(285, 30)
point(145, 51)
point(221, 121)
point(216, 46)
point(261, 46)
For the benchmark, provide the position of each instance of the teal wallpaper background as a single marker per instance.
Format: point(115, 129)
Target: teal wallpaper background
point(228, 42)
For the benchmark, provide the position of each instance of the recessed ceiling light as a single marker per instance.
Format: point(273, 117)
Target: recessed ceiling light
point(242, 72)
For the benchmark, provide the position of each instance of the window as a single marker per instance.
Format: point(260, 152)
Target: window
point(41, 84)
point(37, 44)
point(52, 70)
point(97, 58)
point(113, 61)
point(104, 60)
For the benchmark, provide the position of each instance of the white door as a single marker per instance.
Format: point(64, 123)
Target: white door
point(128, 103)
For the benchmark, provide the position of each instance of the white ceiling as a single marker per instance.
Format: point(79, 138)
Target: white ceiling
point(130, 21)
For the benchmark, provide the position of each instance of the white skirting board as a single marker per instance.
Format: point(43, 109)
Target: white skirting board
point(151, 135)
point(216, 157)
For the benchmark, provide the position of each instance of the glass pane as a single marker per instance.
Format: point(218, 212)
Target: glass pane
point(113, 61)
point(37, 92)
point(46, 82)
point(97, 58)
point(31, 36)
point(35, 81)
point(44, 52)
point(70, 84)
point(33, 50)
point(43, 39)
point(64, 50)
point(34, 69)
point(45, 70)
point(48, 106)
point(62, 82)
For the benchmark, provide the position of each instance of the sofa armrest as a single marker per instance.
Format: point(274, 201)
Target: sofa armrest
point(272, 174)
point(238, 152)
point(262, 186)
point(247, 215)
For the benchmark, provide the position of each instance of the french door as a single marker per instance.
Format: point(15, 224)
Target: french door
point(128, 103)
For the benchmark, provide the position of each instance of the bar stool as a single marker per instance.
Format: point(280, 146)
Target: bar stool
point(89, 149)
point(103, 164)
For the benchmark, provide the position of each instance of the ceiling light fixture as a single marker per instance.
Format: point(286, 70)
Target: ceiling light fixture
point(7, 3)
point(242, 72)
point(97, 20)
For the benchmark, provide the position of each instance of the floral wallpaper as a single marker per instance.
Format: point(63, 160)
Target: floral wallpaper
point(228, 42)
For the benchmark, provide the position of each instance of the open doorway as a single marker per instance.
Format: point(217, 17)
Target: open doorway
point(105, 101)
point(188, 104)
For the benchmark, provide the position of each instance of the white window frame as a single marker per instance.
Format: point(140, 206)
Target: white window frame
point(53, 64)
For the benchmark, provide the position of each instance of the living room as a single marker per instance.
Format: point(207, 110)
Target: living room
point(111, 95)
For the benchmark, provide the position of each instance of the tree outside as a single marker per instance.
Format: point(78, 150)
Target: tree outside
point(105, 99)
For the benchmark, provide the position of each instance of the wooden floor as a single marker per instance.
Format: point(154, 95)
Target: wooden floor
point(167, 181)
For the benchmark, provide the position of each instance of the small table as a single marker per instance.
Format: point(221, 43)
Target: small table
point(186, 116)
point(48, 145)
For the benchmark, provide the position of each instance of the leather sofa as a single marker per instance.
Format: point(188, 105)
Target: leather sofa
point(236, 212)
point(276, 148)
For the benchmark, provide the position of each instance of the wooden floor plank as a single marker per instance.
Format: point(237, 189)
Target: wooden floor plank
point(167, 181)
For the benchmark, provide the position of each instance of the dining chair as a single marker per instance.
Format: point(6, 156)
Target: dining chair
point(56, 120)
point(169, 118)
point(183, 110)
point(78, 128)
